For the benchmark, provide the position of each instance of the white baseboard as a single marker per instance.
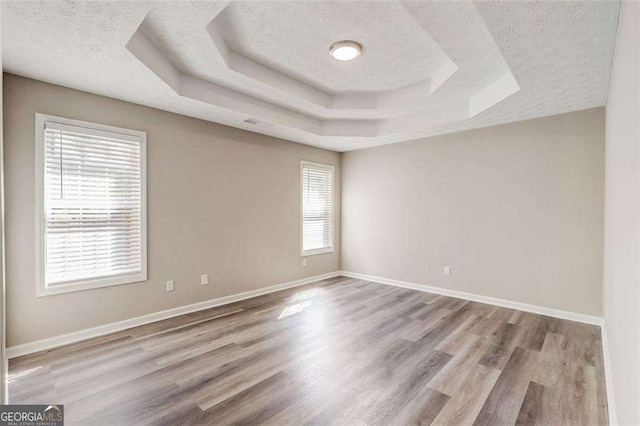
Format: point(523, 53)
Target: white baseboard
point(608, 376)
point(572, 316)
point(52, 342)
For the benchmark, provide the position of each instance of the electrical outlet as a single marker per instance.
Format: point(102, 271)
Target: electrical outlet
point(204, 279)
point(447, 270)
point(304, 262)
point(170, 285)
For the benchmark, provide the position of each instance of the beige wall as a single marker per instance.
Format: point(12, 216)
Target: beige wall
point(221, 201)
point(621, 297)
point(516, 210)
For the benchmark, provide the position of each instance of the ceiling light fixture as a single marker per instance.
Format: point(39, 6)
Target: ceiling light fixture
point(345, 50)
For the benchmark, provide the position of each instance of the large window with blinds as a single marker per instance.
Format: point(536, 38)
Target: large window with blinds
point(91, 212)
point(317, 208)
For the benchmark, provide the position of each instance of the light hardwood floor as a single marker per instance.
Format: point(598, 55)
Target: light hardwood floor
point(341, 351)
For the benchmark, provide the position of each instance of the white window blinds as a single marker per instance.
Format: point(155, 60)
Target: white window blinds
point(317, 208)
point(93, 230)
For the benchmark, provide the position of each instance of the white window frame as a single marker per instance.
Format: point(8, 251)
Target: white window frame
point(330, 249)
point(85, 284)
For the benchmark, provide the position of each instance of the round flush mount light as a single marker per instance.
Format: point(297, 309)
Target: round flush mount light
point(345, 50)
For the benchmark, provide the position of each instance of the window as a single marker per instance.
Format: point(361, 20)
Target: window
point(317, 208)
point(91, 196)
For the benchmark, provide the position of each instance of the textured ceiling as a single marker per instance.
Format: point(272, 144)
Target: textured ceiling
point(277, 35)
point(428, 68)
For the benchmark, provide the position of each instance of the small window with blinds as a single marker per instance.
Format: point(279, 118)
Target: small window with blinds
point(91, 208)
point(317, 208)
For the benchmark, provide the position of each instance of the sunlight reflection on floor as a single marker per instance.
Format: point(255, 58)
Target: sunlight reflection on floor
point(22, 374)
point(298, 302)
point(295, 308)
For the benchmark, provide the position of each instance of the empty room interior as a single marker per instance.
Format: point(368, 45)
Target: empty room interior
point(319, 212)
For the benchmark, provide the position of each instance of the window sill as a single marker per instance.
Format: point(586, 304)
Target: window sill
point(43, 291)
point(319, 251)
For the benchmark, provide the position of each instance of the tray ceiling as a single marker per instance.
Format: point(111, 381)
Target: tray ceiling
point(428, 68)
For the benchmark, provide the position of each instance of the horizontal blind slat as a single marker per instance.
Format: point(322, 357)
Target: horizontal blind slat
point(317, 207)
point(93, 203)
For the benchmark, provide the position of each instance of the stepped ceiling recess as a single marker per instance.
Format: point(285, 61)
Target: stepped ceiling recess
point(426, 68)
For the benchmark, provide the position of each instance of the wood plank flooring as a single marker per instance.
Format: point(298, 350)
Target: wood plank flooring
point(339, 351)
